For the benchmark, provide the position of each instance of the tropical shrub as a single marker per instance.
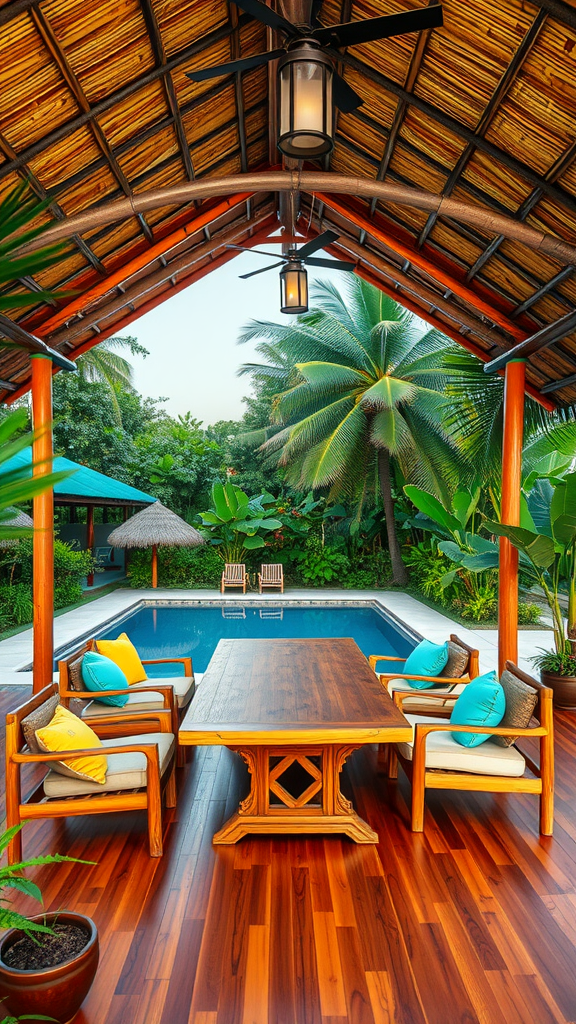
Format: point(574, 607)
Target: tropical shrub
point(16, 608)
point(70, 568)
point(369, 572)
point(321, 564)
point(187, 568)
point(433, 574)
point(528, 614)
point(235, 523)
point(481, 604)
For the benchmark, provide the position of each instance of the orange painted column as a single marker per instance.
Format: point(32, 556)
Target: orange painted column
point(154, 566)
point(43, 515)
point(512, 440)
point(90, 538)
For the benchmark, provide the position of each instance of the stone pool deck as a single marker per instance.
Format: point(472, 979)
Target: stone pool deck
point(16, 651)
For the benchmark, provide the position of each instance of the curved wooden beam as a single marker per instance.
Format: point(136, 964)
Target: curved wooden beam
point(310, 181)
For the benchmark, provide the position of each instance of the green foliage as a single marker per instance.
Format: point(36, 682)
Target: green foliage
point(561, 663)
point(17, 486)
point(21, 212)
point(550, 549)
point(481, 605)
point(11, 878)
point(177, 567)
point(434, 575)
point(528, 614)
point(369, 572)
point(319, 564)
point(70, 568)
point(235, 523)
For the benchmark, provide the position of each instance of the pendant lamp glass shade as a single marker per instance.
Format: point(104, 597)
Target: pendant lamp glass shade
point(306, 107)
point(293, 288)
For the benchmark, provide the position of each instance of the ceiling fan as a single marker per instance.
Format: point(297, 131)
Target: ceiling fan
point(293, 276)
point(299, 256)
point(322, 38)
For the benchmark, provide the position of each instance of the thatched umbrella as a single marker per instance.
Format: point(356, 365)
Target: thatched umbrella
point(20, 520)
point(156, 526)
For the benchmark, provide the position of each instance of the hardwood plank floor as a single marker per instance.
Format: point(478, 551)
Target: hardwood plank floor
point(472, 922)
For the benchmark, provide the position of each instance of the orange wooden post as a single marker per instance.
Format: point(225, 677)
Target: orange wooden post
point(90, 538)
point(43, 514)
point(154, 565)
point(513, 435)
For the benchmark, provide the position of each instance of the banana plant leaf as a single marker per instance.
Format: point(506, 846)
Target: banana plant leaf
point(538, 548)
point(433, 509)
point(252, 543)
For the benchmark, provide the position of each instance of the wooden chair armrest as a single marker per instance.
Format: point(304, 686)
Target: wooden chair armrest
point(373, 659)
point(441, 680)
point(424, 728)
point(187, 662)
point(73, 755)
point(165, 689)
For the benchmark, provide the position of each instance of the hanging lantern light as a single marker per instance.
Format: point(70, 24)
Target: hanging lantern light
point(306, 107)
point(293, 288)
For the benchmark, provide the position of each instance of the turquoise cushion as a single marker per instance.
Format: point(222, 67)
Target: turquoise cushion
point(482, 702)
point(427, 659)
point(100, 673)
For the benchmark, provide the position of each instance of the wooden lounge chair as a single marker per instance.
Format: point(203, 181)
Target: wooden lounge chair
point(145, 696)
point(450, 682)
point(234, 575)
point(271, 576)
point(433, 759)
point(140, 772)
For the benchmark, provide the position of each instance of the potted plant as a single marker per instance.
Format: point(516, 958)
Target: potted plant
point(550, 549)
point(47, 962)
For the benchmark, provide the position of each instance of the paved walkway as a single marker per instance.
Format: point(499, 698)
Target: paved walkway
point(16, 651)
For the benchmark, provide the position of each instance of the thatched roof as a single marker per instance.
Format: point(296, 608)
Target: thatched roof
point(95, 107)
point(157, 525)
point(20, 520)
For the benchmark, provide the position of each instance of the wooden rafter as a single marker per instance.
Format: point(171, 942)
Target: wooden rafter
point(536, 342)
point(182, 56)
point(506, 81)
point(559, 195)
point(58, 56)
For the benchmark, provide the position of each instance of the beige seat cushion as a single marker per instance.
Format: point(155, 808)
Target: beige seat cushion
point(125, 771)
point(452, 690)
point(486, 759)
point(184, 688)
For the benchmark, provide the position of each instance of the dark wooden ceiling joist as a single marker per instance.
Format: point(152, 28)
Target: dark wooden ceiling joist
point(536, 342)
point(508, 78)
point(181, 57)
point(559, 195)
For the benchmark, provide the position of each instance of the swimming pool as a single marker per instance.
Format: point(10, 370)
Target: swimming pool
point(179, 631)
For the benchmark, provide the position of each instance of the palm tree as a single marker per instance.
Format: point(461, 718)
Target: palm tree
point(104, 365)
point(363, 382)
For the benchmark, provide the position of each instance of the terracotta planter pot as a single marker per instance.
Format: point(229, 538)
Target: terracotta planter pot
point(564, 688)
point(54, 991)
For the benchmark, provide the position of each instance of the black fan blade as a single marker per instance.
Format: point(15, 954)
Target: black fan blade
point(244, 277)
point(315, 17)
point(344, 96)
point(267, 16)
point(334, 264)
point(202, 74)
point(246, 248)
point(326, 238)
point(354, 32)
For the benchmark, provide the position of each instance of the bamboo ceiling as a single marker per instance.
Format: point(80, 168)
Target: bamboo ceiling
point(95, 106)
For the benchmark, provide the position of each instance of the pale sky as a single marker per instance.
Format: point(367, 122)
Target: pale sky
point(192, 338)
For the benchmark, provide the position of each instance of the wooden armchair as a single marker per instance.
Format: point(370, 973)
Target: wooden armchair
point(140, 784)
point(271, 576)
point(451, 685)
point(433, 760)
point(146, 696)
point(234, 575)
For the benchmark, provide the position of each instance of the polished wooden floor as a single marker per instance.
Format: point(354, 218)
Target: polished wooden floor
point(473, 921)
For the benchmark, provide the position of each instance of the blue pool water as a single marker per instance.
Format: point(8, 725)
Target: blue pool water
point(177, 631)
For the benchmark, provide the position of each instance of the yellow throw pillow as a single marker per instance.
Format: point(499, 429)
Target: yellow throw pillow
point(68, 732)
point(123, 653)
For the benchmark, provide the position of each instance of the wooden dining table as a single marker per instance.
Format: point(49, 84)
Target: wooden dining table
point(294, 710)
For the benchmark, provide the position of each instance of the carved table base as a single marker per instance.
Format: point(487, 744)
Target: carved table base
point(295, 789)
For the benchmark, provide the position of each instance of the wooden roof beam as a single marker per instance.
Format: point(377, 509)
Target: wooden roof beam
point(536, 342)
point(181, 57)
point(558, 167)
point(545, 289)
point(46, 33)
point(557, 385)
point(402, 106)
point(506, 81)
point(559, 195)
point(18, 336)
